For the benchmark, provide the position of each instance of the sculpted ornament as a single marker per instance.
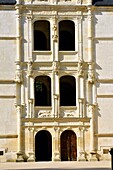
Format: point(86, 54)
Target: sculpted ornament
point(80, 68)
point(55, 36)
point(91, 77)
point(18, 76)
point(30, 68)
point(56, 66)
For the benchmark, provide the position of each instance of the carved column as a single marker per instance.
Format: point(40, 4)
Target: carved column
point(91, 84)
point(82, 152)
point(31, 144)
point(54, 42)
point(18, 81)
point(29, 19)
point(19, 131)
point(56, 143)
point(55, 89)
point(93, 151)
point(30, 90)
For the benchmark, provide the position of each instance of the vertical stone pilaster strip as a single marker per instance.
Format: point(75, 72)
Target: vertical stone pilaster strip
point(18, 80)
point(29, 18)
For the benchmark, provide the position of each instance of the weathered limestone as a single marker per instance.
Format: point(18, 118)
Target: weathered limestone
point(90, 64)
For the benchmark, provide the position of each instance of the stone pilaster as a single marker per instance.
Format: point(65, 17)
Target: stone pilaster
point(55, 89)
point(93, 152)
point(19, 131)
point(56, 143)
point(82, 152)
point(29, 21)
point(31, 157)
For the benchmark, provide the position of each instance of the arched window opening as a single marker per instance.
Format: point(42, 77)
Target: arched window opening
point(67, 91)
point(42, 91)
point(42, 35)
point(43, 146)
point(66, 35)
point(68, 146)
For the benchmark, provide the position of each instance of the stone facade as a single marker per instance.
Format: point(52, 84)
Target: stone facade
point(41, 119)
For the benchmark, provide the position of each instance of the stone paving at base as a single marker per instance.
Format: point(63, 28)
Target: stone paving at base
point(102, 165)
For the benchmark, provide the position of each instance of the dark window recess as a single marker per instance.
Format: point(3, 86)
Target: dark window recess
point(42, 91)
point(102, 2)
point(42, 35)
point(66, 35)
point(1, 152)
point(67, 91)
point(7, 2)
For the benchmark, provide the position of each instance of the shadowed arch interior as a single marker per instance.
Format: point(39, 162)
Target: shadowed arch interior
point(43, 146)
point(66, 35)
point(68, 146)
point(42, 90)
point(42, 35)
point(67, 91)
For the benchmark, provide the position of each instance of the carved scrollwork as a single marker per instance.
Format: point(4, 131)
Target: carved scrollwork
point(69, 113)
point(43, 113)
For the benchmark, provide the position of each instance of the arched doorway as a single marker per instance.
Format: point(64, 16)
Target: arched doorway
point(68, 146)
point(43, 146)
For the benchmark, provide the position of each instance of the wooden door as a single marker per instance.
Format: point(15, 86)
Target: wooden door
point(68, 146)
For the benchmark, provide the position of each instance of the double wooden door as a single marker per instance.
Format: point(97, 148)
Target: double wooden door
point(68, 146)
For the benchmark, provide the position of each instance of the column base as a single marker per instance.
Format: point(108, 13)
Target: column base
point(82, 156)
point(93, 156)
point(19, 157)
point(31, 157)
point(56, 156)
